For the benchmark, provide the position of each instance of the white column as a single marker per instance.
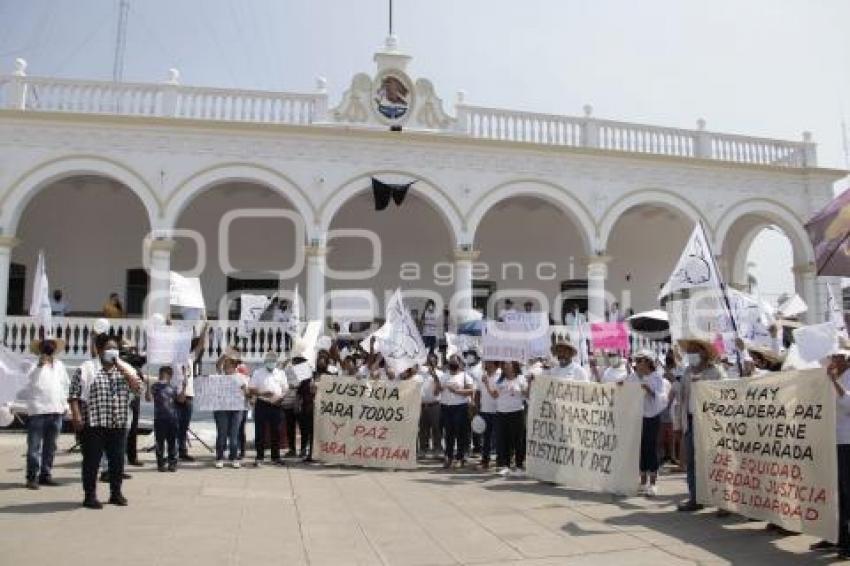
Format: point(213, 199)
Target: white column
point(316, 257)
point(805, 281)
point(597, 272)
point(462, 301)
point(159, 269)
point(7, 243)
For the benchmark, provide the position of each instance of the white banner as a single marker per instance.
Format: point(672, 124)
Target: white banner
point(252, 308)
point(367, 423)
point(186, 291)
point(765, 448)
point(517, 337)
point(168, 344)
point(14, 369)
point(585, 435)
point(219, 393)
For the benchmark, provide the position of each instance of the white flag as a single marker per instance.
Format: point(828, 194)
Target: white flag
point(696, 267)
point(295, 317)
point(835, 313)
point(794, 306)
point(40, 308)
point(398, 340)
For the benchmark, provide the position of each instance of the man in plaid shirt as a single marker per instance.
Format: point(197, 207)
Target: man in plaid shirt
point(100, 398)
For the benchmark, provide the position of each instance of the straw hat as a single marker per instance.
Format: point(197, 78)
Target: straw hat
point(232, 353)
point(564, 345)
point(771, 356)
point(703, 344)
point(58, 345)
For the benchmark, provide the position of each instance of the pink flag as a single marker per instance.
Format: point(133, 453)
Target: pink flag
point(610, 336)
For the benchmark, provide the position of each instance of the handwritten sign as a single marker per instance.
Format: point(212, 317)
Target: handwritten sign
point(612, 336)
point(168, 345)
point(585, 435)
point(367, 423)
point(766, 449)
point(219, 393)
point(186, 291)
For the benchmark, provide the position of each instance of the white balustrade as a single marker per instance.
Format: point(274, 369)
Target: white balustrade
point(171, 99)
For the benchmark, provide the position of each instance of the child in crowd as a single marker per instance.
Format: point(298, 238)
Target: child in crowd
point(165, 421)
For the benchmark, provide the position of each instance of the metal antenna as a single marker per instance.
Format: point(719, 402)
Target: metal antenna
point(120, 41)
point(391, 17)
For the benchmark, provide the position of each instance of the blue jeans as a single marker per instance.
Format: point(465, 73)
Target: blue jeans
point(692, 465)
point(227, 424)
point(42, 431)
point(165, 437)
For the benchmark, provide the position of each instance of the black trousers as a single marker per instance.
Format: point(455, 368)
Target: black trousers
point(132, 434)
point(843, 495)
point(268, 416)
point(305, 424)
point(510, 438)
point(165, 436)
point(95, 441)
point(649, 444)
point(291, 418)
point(455, 421)
point(184, 417)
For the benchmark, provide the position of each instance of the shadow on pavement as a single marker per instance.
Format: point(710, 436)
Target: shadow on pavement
point(38, 508)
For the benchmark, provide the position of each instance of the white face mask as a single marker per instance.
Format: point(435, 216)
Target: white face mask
point(694, 360)
point(110, 356)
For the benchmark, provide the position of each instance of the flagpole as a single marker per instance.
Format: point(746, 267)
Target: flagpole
point(725, 296)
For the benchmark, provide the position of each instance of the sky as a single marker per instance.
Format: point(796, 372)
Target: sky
point(772, 68)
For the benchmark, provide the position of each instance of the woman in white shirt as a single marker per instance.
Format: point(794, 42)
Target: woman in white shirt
point(428, 325)
point(487, 405)
point(655, 391)
point(510, 392)
point(456, 388)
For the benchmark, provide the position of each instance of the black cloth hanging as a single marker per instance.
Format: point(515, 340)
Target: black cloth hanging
point(383, 191)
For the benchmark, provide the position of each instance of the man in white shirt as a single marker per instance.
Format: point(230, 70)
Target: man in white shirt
point(268, 383)
point(58, 305)
point(456, 388)
point(567, 369)
point(616, 370)
point(46, 395)
point(838, 372)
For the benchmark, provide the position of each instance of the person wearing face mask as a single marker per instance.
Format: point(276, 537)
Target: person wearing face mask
point(567, 368)
point(428, 324)
point(702, 365)
point(429, 417)
point(616, 371)
point(99, 404)
point(267, 384)
point(656, 391)
point(455, 389)
point(46, 396)
point(472, 365)
point(487, 408)
point(510, 393)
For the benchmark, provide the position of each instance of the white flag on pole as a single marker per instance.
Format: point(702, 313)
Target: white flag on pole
point(295, 317)
point(696, 268)
point(835, 313)
point(40, 308)
point(398, 340)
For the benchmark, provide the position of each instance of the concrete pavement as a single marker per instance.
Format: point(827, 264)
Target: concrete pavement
point(314, 515)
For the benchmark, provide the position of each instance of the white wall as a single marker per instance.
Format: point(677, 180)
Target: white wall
point(91, 230)
point(646, 244)
point(257, 245)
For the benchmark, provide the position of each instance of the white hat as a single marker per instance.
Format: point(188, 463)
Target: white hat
point(101, 326)
point(324, 343)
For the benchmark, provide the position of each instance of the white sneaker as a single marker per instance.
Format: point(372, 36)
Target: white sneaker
point(505, 472)
point(518, 473)
point(258, 463)
point(219, 464)
point(236, 464)
point(651, 491)
point(642, 489)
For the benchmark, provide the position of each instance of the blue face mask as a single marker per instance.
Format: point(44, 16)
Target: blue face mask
point(270, 366)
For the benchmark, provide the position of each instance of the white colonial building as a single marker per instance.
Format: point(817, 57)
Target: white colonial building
point(121, 183)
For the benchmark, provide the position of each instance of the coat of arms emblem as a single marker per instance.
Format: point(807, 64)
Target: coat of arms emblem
point(392, 97)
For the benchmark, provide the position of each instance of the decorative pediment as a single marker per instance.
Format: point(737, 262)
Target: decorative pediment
point(391, 98)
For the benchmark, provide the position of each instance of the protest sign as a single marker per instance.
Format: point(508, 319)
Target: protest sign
point(612, 336)
point(168, 344)
point(185, 291)
point(765, 448)
point(219, 393)
point(585, 435)
point(517, 337)
point(817, 341)
point(14, 370)
point(251, 309)
point(367, 423)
